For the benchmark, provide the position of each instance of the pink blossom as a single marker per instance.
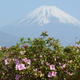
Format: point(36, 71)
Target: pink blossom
point(59, 63)
point(7, 61)
point(70, 61)
point(63, 66)
point(69, 73)
point(41, 56)
point(35, 70)
point(20, 66)
point(47, 64)
point(28, 61)
point(16, 61)
point(17, 76)
point(25, 59)
point(52, 67)
point(54, 73)
point(51, 74)
point(38, 72)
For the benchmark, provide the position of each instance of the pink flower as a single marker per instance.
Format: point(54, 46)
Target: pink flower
point(63, 66)
point(38, 72)
point(52, 67)
point(47, 64)
point(70, 74)
point(16, 61)
point(17, 76)
point(35, 70)
point(25, 59)
point(70, 61)
point(28, 61)
point(54, 73)
point(20, 66)
point(40, 56)
point(59, 63)
point(7, 61)
point(51, 74)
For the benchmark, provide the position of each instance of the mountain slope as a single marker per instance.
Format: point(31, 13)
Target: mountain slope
point(7, 39)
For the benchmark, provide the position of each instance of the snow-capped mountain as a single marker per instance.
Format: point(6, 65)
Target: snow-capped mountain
point(44, 15)
point(56, 22)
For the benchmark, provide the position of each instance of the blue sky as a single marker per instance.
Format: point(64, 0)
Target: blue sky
point(12, 10)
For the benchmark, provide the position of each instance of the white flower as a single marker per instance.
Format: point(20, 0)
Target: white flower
point(22, 52)
point(0, 48)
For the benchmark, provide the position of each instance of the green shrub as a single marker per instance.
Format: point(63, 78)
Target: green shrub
point(40, 59)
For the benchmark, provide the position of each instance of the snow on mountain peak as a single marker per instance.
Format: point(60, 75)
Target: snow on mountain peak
point(46, 14)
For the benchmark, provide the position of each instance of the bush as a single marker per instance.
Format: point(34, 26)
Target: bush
point(40, 59)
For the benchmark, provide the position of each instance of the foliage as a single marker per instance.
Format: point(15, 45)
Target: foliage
point(40, 59)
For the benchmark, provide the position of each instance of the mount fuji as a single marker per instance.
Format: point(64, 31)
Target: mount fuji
point(56, 22)
point(47, 14)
